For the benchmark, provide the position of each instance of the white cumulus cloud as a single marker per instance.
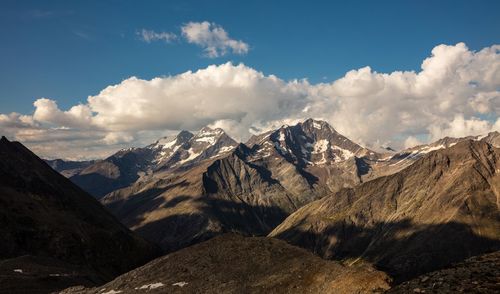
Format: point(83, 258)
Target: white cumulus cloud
point(214, 40)
point(456, 93)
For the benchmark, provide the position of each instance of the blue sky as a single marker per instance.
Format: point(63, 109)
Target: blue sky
point(82, 79)
point(67, 50)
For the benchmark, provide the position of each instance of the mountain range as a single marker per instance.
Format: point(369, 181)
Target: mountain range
point(377, 218)
point(248, 189)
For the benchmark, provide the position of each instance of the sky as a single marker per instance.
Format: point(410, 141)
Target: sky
point(81, 79)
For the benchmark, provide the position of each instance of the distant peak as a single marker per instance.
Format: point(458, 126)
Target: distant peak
point(312, 120)
point(184, 135)
point(318, 124)
point(184, 132)
point(209, 131)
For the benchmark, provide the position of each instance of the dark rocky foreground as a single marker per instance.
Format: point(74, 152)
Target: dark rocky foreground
point(234, 264)
point(479, 274)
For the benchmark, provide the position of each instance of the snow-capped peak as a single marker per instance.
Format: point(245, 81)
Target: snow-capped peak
point(208, 135)
point(170, 142)
point(318, 125)
point(312, 142)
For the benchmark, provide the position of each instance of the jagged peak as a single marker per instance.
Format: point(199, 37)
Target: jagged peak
point(209, 131)
point(317, 124)
point(181, 135)
point(184, 133)
point(4, 140)
point(169, 141)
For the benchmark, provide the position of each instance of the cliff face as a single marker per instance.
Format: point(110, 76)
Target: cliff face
point(441, 209)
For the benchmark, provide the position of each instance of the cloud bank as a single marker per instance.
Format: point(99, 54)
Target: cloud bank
point(456, 93)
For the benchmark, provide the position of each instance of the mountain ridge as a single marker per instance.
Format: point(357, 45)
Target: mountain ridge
point(393, 221)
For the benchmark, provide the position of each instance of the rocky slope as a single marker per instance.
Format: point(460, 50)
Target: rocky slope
point(479, 274)
point(234, 264)
point(127, 166)
point(52, 233)
point(441, 209)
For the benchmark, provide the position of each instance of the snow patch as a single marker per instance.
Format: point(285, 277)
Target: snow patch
point(112, 292)
point(208, 135)
point(345, 154)
point(191, 156)
point(150, 286)
point(428, 149)
point(165, 154)
point(166, 142)
point(18, 270)
point(316, 125)
point(281, 137)
point(320, 146)
point(208, 139)
point(180, 284)
point(226, 149)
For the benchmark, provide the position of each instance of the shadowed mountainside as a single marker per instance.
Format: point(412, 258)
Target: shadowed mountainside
point(115, 172)
point(180, 211)
point(48, 222)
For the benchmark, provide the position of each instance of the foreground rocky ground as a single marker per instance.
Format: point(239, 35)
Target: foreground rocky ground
point(479, 274)
point(234, 264)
